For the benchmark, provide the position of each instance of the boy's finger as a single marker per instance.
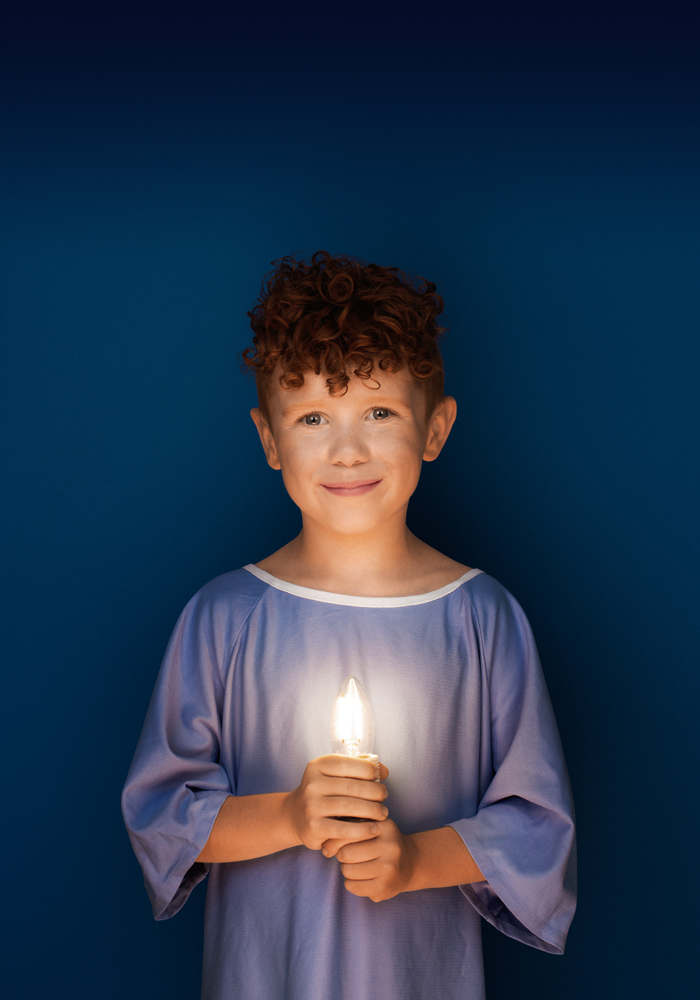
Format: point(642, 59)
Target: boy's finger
point(339, 765)
point(330, 848)
point(346, 833)
point(356, 788)
point(359, 852)
point(340, 806)
point(359, 872)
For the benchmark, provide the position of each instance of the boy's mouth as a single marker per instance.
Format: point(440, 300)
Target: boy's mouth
point(351, 489)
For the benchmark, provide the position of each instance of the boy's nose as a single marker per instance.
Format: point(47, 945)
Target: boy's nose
point(347, 447)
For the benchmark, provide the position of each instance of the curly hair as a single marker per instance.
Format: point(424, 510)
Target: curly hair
point(340, 316)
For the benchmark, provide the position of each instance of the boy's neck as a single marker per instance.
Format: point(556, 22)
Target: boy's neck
point(390, 562)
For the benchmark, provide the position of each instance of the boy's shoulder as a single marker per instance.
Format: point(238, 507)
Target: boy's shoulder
point(224, 603)
point(495, 609)
point(237, 588)
point(485, 589)
point(217, 613)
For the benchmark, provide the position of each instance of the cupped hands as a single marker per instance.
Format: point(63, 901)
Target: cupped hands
point(336, 786)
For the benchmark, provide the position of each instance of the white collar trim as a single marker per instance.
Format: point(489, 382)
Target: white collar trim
point(349, 600)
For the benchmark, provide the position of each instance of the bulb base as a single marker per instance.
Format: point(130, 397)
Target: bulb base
point(371, 758)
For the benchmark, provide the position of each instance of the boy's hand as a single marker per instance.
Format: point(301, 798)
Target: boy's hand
point(378, 868)
point(334, 786)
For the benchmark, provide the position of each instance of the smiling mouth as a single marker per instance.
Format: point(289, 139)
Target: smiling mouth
point(353, 489)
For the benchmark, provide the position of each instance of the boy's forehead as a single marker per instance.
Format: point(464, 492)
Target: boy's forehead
point(398, 385)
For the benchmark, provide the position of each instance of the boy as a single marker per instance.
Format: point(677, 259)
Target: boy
point(232, 774)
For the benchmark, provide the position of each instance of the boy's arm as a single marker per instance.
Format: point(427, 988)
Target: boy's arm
point(253, 826)
point(249, 826)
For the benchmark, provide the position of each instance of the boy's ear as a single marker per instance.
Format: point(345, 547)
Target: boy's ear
point(266, 438)
point(439, 427)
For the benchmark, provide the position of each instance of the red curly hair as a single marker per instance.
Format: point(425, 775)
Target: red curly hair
point(341, 316)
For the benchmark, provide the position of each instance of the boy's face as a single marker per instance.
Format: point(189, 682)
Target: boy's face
point(352, 462)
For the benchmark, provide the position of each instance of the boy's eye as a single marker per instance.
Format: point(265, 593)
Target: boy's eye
point(312, 419)
point(380, 413)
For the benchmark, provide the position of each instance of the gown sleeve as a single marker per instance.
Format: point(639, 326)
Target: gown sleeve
point(176, 785)
point(522, 836)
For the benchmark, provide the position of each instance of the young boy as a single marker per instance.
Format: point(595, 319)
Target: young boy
point(232, 775)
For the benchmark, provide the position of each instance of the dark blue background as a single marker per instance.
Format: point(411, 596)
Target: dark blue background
point(545, 174)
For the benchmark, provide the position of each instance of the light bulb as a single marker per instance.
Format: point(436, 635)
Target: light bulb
point(352, 728)
point(352, 722)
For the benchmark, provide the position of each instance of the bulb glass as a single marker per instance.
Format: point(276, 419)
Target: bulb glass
point(352, 722)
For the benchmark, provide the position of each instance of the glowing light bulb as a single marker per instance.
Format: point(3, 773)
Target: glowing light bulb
point(352, 722)
point(352, 727)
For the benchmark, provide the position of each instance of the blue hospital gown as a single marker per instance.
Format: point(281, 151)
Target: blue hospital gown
point(464, 723)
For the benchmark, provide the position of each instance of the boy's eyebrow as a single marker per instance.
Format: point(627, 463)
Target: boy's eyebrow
point(308, 405)
point(321, 401)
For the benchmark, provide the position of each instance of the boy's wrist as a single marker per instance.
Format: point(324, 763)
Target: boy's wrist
point(417, 865)
point(440, 859)
point(286, 808)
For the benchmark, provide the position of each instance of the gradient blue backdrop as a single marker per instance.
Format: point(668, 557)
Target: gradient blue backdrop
point(550, 187)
